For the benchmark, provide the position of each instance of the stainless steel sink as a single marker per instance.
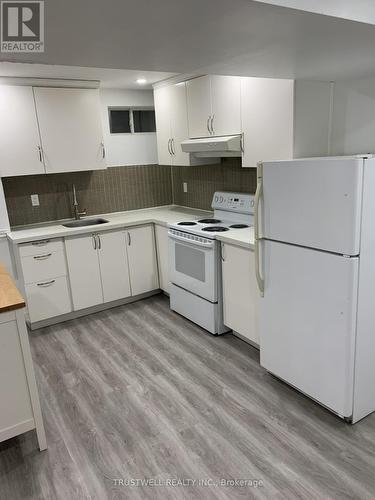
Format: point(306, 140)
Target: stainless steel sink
point(85, 222)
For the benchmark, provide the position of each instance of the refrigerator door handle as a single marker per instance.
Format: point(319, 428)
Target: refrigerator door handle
point(258, 195)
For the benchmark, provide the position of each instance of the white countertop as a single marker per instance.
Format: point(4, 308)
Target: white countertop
point(239, 237)
point(158, 215)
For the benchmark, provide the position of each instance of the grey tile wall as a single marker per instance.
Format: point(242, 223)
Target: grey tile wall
point(203, 181)
point(101, 191)
point(122, 188)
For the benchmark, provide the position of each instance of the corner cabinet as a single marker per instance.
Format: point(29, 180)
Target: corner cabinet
point(70, 129)
point(214, 105)
point(20, 145)
point(267, 110)
point(240, 293)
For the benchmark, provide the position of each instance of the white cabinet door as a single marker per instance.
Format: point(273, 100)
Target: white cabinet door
point(226, 105)
point(142, 259)
point(84, 271)
point(70, 129)
point(20, 152)
point(48, 298)
point(199, 106)
point(162, 100)
point(240, 296)
point(161, 236)
point(267, 120)
point(179, 123)
point(113, 265)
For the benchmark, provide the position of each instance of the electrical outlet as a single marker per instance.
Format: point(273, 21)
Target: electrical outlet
point(35, 200)
point(185, 187)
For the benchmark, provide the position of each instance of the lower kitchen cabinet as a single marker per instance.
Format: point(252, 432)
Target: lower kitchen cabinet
point(143, 267)
point(44, 271)
point(48, 298)
point(113, 263)
point(161, 237)
point(240, 294)
point(84, 270)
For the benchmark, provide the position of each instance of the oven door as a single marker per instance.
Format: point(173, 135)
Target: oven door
point(193, 264)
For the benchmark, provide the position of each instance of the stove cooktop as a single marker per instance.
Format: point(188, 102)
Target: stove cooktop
point(210, 226)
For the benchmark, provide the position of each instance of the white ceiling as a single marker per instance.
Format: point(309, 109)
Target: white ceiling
point(241, 37)
point(356, 10)
point(109, 78)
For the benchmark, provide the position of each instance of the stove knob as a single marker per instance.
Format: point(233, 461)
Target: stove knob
point(216, 199)
point(221, 199)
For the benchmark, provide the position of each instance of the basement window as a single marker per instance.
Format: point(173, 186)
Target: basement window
point(131, 120)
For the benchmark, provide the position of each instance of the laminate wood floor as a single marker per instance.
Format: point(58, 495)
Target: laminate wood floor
point(138, 392)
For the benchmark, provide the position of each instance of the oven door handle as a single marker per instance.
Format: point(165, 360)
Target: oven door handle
point(209, 245)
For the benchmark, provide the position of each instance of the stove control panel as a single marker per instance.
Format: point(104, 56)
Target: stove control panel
point(233, 202)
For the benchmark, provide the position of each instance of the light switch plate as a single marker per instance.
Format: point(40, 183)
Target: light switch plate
point(185, 187)
point(35, 200)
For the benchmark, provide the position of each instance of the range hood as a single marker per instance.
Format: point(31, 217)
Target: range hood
point(227, 145)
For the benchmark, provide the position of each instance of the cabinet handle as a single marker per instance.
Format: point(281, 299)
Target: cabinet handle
point(41, 257)
point(208, 124)
point(40, 154)
point(169, 147)
point(99, 241)
point(40, 243)
point(212, 124)
point(103, 149)
point(222, 252)
point(46, 283)
point(242, 145)
point(172, 147)
point(129, 239)
point(94, 241)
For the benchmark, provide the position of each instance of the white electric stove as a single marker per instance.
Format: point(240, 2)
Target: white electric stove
point(194, 259)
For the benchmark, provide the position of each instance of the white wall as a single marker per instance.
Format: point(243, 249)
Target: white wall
point(127, 149)
point(312, 118)
point(353, 125)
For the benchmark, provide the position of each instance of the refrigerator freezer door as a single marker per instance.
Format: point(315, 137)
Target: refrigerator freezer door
point(307, 322)
point(314, 203)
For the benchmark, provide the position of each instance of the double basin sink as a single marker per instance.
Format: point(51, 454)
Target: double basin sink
point(86, 222)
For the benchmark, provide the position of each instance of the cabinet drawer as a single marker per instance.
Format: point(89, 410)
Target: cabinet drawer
point(48, 298)
point(43, 266)
point(41, 246)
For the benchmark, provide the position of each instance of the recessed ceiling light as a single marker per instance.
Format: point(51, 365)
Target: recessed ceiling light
point(141, 81)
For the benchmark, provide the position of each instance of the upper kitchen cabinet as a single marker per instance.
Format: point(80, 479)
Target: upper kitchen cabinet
point(20, 147)
point(172, 125)
point(214, 106)
point(70, 129)
point(267, 110)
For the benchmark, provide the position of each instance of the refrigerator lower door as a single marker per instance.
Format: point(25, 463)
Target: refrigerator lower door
point(308, 322)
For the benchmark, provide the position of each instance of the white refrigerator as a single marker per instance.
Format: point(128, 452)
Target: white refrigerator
point(315, 255)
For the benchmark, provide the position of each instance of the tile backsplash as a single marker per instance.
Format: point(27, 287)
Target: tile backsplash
point(122, 188)
point(203, 181)
point(101, 191)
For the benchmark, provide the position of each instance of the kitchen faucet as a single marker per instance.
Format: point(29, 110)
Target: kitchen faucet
point(77, 214)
